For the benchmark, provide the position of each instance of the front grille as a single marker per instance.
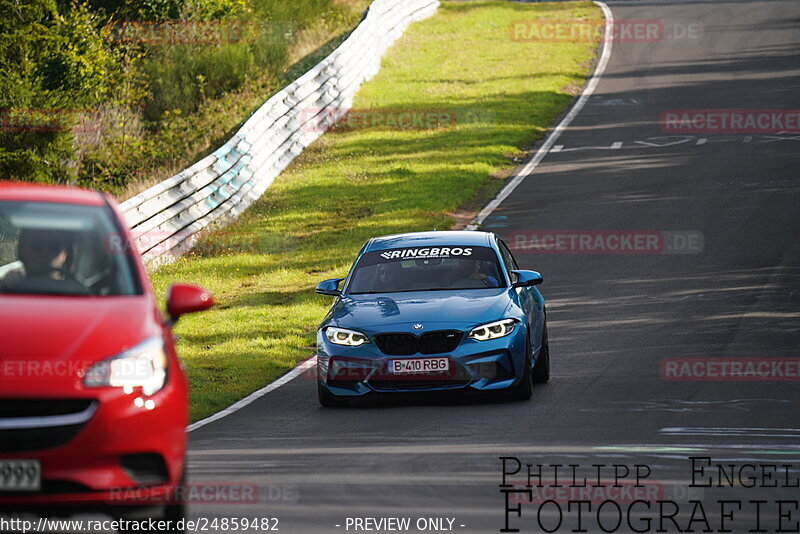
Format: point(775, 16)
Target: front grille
point(41, 407)
point(439, 342)
point(34, 424)
point(400, 344)
point(397, 344)
point(389, 385)
point(456, 376)
point(32, 439)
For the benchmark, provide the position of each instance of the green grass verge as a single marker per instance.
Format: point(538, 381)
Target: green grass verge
point(356, 183)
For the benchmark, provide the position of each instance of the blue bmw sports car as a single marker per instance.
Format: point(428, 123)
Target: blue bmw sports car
point(432, 311)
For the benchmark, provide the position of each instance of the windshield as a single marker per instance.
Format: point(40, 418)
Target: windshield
point(426, 269)
point(62, 249)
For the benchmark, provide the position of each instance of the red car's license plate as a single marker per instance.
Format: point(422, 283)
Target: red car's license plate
point(20, 475)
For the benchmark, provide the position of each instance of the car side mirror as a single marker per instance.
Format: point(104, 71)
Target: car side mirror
point(526, 278)
point(329, 287)
point(186, 298)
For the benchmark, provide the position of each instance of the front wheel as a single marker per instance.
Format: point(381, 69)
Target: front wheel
point(541, 371)
point(524, 390)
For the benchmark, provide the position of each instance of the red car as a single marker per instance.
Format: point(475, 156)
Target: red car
point(93, 400)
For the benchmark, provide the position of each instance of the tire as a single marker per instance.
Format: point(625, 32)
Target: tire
point(524, 390)
point(328, 399)
point(541, 371)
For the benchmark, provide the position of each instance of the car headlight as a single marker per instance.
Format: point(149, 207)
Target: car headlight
point(493, 330)
point(343, 336)
point(144, 366)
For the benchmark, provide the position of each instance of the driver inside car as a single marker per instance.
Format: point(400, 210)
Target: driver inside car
point(45, 256)
point(43, 253)
point(472, 269)
point(390, 275)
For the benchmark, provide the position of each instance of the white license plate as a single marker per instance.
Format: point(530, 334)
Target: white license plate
point(20, 475)
point(419, 365)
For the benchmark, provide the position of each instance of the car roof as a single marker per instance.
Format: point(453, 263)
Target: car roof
point(30, 192)
point(451, 238)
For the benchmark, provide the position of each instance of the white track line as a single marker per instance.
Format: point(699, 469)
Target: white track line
point(294, 373)
point(527, 169)
point(565, 122)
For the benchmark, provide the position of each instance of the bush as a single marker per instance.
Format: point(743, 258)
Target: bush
point(182, 77)
point(63, 58)
point(52, 67)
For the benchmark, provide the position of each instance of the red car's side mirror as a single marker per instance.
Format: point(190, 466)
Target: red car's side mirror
point(186, 298)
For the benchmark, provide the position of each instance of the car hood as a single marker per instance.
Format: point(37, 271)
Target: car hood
point(466, 307)
point(74, 329)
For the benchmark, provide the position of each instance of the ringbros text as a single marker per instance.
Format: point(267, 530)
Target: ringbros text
point(417, 253)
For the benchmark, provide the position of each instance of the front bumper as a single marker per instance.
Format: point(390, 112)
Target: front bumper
point(474, 365)
point(125, 444)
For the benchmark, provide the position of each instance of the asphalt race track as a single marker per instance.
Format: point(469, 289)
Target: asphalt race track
point(616, 320)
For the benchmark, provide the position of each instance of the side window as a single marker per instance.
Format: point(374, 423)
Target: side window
point(508, 259)
point(8, 241)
